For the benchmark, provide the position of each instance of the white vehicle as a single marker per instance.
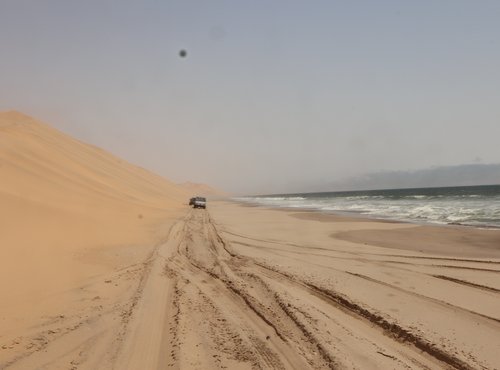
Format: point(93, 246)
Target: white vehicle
point(200, 202)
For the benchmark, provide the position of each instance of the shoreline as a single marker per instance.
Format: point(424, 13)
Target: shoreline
point(421, 237)
point(358, 215)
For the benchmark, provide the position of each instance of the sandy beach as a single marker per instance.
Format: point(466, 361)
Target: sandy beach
point(284, 291)
point(103, 265)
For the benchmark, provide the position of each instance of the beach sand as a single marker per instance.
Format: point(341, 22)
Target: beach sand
point(249, 287)
point(104, 266)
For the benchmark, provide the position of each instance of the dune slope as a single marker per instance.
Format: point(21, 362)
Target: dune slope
point(72, 218)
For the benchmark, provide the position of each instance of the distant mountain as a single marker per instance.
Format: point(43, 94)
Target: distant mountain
point(461, 175)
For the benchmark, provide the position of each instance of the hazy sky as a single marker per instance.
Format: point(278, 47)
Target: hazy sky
point(272, 94)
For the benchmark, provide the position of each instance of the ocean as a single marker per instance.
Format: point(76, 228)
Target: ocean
point(477, 206)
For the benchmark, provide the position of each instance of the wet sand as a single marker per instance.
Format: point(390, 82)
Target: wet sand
point(450, 240)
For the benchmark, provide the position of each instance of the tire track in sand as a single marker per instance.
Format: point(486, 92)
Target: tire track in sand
point(249, 309)
point(201, 259)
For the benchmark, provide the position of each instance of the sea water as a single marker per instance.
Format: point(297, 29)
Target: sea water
point(464, 205)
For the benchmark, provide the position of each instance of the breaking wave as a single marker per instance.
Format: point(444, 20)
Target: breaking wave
point(474, 206)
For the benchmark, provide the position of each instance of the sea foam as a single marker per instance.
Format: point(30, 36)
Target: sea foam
point(473, 205)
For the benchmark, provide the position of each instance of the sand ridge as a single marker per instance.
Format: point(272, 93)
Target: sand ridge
point(74, 220)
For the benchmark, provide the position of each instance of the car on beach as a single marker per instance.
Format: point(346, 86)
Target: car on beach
point(200, 202)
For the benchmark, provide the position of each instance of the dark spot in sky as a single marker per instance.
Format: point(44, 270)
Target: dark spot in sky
point(183, 53)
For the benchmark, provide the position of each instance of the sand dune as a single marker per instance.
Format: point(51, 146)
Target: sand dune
point(71, 215)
